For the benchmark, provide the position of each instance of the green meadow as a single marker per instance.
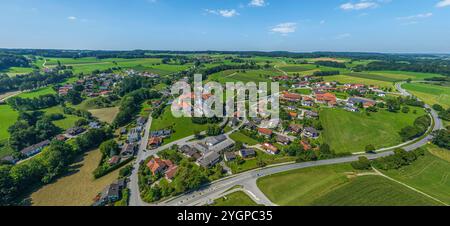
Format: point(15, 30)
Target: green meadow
point(37, 92)
point(235, 199)
point(431, 94)
point(7, 118)
point(429, 174)
point(351, 131)
point(337, 185)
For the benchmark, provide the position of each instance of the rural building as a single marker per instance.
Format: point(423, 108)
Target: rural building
point(34, 149)
point(247, 153)
point(311, 132)
point(283, 140)
point(75, 131)
point(157, 165)
point(270, 148)
point(229, 156)
point(154, 142)
point(208, 160)
point(265, 132)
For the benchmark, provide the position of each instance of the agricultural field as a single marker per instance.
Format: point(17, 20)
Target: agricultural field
point(406, 74)
point(37, 92)
point(429, 174)
point(350, 132)
point(373, 191)
point(245, 77)
point(429, 93)
point(337, 185)
point(349, 79)
point(235, 199)
point(293, 68)
point(77, 187)
point(105, 114)
point(181, 127)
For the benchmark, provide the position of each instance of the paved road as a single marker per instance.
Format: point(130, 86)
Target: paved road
point(248, 179)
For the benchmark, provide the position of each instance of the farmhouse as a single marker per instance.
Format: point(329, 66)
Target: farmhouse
point(114, 160)
point(34, 149)
point(157, 165)
point(326, 98)
point(75, 131)
point(305, 144)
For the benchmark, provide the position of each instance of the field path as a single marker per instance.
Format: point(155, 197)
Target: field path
point(412, 188)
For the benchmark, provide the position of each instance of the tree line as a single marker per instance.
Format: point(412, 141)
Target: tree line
point(32, 80)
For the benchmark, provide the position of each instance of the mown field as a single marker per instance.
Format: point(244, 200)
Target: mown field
point(431, 94)
point(7, 118)
point(350, 132)
point(430, 174)
point(181, 127)
point(105, 114)
point(350, 79)
point(77, 187)
point(238, 136)
point(245, 77)
point(337, 185)
point(13, 71)
point(67, 122)
point(235, 199)
point(37, 92)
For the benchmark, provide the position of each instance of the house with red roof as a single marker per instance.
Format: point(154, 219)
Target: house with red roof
point(157, 165)
point(265, 132)
point(326, 98)
point(291, 97)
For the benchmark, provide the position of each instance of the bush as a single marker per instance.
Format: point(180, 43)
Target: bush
point(363, 163)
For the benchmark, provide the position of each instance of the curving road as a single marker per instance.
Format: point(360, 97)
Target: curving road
point(247, 180)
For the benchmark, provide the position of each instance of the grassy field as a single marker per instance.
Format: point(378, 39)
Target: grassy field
point(13, 71)
point(78, 187)
point(349, 79)
point(430, 174)
point(337, 185)
point(67, 122)
point(235, 199)
point(250, 164)
point(182, 127)
point(373, 191)
point(238, 136)
point(248, 76)
point(37, 93)
point(105, 114)
point(351, 132)
point(293, 68)
point(8, 117)
point(431, 94)
point(403, 75)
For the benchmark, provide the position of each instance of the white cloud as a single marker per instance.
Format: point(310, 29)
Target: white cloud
point(363, 4)
point(257, 3)
point(443, 3)
point(285, 28)
point(223, 12)
point(71, 18)
point(418, 16)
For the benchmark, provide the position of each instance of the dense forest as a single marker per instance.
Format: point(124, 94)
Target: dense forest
point(8, 60)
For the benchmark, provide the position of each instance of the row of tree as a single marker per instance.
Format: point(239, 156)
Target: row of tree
point(32, 80)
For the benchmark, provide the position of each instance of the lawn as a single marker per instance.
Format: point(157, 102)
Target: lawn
point(238, 136)
point(67, 122)
point(350, 132)
point(8, 117)
point(429, 174)
point(336, 185)
point(78, 187)
point(431, 94)
point(105, 114)
point(250, 164)
point(37, 92)
point(235, 199)
point(349, 79)
point(182, 127)
point(13, 71)
point(303, 91)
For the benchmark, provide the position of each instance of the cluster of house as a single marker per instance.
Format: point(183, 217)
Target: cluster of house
point(207, 152)
point(35, 149)
point(94, 85)
point(111, 194)
point(157, 138)
point(162, 167)
point(132, 72)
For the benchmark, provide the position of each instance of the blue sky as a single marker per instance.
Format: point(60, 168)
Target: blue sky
point(265, 25)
